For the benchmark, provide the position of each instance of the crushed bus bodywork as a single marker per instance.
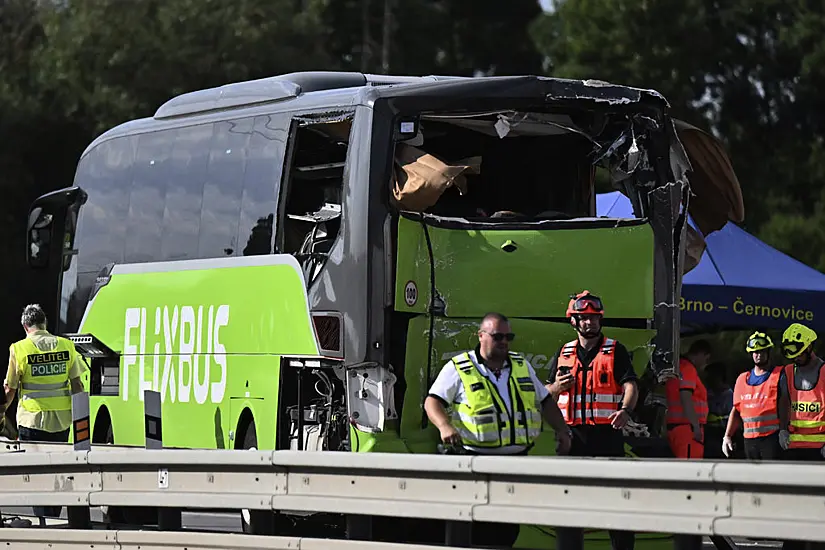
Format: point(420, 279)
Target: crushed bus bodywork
point(290, 261)
point(483, 195)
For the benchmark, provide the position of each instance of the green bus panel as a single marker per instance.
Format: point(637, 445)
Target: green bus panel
point(535, 279)
point(209, 336)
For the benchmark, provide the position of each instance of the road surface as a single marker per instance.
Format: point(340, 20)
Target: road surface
point(231, 523)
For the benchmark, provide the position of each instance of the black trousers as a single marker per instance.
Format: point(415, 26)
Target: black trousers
point(595, 441)
point(32, 434)
point(713, 442)
point(764, 448)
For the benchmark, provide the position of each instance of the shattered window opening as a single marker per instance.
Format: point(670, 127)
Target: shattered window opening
point(526, 166)
point(313, 198)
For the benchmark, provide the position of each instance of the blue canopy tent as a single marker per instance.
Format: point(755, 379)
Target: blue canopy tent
point(740, 282)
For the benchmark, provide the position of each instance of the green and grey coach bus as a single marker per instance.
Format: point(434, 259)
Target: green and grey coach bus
point(289, 261)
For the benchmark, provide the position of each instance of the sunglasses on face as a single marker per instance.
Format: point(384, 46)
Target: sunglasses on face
point(499, 336)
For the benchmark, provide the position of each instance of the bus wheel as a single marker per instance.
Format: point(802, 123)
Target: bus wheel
point(125, 515)
point(261, 522)
point(106, 437)
point(250, 443)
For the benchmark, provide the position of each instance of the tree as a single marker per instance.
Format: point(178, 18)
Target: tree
point(749, 70)
point(108, 60)
point(450, 37)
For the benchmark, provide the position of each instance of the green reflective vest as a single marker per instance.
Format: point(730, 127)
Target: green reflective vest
point(717, 420)
point(484, 420)
point(44, 375)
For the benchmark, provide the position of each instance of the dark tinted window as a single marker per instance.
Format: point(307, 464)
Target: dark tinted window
point(262, 178)
point(197, 192)
point(223, 189)
point(150, 177)
point(105, 174)
point(184, 192)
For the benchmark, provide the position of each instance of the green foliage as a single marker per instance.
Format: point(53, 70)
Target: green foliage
point(111, 60)
point(449, 37)
point(749, 70)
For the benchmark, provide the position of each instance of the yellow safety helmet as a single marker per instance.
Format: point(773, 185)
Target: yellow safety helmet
point(758, 341)
point(796, 339)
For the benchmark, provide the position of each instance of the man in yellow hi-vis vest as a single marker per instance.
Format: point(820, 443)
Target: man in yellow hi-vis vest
point(497, 404)
point(46, 370)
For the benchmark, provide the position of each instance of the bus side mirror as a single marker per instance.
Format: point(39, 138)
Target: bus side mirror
point(46, 228)
point(39, 238)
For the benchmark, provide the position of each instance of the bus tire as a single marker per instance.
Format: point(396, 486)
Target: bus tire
point(259, 522)
point(249, 442)
point(122, 515)
point(256, 522)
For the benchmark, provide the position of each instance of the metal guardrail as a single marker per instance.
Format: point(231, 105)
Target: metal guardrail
point(730, 498)
point(715, 499)
point(49, 539)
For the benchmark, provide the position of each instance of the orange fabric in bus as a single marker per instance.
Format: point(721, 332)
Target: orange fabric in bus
point(716, 193)
point(421, 178)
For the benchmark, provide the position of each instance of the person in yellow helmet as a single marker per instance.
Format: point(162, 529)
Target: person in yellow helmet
point(802, 395)
point(756, 404)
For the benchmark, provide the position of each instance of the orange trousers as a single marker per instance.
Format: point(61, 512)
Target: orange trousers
point(682, 444)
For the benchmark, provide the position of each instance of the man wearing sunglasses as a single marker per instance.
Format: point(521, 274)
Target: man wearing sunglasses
point(485, 388)
point(487, 381)
point(593, 380)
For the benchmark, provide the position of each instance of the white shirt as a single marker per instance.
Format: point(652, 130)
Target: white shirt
point(448, 386)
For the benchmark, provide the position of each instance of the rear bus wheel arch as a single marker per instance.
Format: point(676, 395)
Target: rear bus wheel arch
point(246, 435)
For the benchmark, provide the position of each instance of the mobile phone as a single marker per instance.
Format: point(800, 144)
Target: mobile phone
point(564, 370)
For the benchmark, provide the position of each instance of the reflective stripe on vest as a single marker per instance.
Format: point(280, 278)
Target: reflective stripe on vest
point(757, 405)
point(717, 420)
point(601, 394)
point(484, 420)
point(44, 379)
point(807, 418)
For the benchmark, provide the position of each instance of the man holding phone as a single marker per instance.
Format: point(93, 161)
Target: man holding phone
point(593, 381)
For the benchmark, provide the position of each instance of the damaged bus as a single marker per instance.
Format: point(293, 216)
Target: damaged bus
point(290, 261)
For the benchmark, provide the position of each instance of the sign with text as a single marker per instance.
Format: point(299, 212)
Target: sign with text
point(751, 307)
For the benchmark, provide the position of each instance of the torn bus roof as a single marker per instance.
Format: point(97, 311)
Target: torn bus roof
point(548, 88)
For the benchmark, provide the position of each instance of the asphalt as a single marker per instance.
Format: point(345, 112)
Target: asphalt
point(231, 523)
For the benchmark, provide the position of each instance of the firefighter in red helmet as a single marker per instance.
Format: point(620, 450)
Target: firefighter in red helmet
point(593, 380)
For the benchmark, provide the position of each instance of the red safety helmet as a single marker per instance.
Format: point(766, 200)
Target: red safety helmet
point(584, 303)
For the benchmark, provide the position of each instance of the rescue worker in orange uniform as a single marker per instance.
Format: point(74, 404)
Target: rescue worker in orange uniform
point(593, 381)
point(756, 404)
point(687, 403)
point(802, 394)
